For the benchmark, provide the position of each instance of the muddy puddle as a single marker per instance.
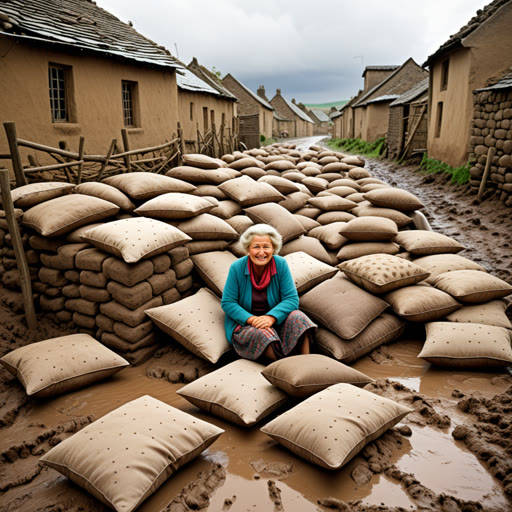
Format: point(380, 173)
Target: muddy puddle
point(252, 472)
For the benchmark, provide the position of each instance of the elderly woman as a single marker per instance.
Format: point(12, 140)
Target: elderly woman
point(261, 302)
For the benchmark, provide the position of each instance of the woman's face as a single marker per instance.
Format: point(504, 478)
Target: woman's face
point(260, 250)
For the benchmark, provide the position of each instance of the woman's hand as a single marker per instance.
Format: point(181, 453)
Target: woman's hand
point(261, 322)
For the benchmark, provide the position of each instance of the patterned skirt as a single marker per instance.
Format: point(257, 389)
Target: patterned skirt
point(250, 343)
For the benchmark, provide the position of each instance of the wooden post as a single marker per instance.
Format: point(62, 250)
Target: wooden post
point(182, 140)
point(214, 134)
point(126, 145)
point(113, 145)
point(21, 260)
point(81, 159)
point(17, 167)
point(487, 170)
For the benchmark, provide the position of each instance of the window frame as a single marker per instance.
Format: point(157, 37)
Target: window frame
point(439, 119)
point(445, 69)
point(130, 105)
point(62, 94)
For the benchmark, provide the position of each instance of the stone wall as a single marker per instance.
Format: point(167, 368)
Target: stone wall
point(395, 131)
point(492, 127)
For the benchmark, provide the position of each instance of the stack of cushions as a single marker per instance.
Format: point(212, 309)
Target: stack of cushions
point(123, 465)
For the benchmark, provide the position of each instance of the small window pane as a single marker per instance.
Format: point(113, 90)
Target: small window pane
point(57, 82)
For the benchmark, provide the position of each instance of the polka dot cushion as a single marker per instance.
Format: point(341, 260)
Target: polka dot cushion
point(238, 393)
point(382, 273)
point(135, 239)
point(422, 243)
point(125, 456)
point(467, 345)
point(247, 192)
point(306, 374)
point(197, 322)
point(333, 426)
point(439, 263)
point(29, 195)
point(58, 365)
point(489, 313)
point(175, 206)
point(213, 268)
point(107, 192)
point(307, 271)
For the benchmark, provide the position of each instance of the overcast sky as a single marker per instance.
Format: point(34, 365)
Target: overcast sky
point(315, 50)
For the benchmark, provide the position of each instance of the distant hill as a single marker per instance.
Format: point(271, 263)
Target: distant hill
point(327, 106)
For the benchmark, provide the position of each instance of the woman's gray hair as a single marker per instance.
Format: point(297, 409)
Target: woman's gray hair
point(261, 230)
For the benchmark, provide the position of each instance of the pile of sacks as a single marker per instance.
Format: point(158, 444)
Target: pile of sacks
point(361, 268)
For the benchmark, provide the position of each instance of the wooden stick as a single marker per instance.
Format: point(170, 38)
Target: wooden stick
point(81, 159)
point(52, 167)
point(17, 166)
point(21, 260)
point(107, 159)
point(180, 137)
point(126, 145)
point(61, 152)
point(487, 170)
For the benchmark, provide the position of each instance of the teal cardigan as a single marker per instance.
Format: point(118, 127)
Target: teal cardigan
point(236, 302)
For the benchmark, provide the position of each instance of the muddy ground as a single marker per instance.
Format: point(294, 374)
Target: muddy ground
point(453, 453)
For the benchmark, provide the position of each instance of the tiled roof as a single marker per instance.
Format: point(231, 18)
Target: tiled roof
point(81, 24)
point(279, 117)
point(188, 81)
point(320, 115)
point(253, 94)
point(455, 40)
point(504, 83)
point(207, 76)
point(298, 111)
point(414, 92)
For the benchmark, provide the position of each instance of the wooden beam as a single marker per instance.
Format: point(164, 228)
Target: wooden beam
point(19, 252)
point(487, 170)
point(17, 166)
point(81, 160)
point(126, 145)
point(52, 167)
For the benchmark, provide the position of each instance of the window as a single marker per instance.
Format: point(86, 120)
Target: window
point(439, 119)
point(130, 114)
point(205, 118)
point(60, 87)
point(444, 74)
point(191, 110)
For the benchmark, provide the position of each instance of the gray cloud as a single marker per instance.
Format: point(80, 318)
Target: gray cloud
point(312, 50)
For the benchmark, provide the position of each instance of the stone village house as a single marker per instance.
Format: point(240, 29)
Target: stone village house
point(480, 52)
point(319, 117)
point(255, 114)
point(69, 68)
point(301, 125)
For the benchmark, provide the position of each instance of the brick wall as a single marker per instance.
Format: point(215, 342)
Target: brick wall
point(250, 130)
point(395, 131)
point(247, 104)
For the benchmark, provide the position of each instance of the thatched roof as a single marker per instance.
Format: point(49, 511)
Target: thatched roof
point(80, 25)
point(456, 40)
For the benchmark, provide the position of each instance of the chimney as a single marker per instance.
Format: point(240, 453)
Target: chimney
point(293, 101)
point(278, 92)
point(261, 91)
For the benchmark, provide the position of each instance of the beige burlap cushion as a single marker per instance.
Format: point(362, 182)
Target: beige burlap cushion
point(294, 176)
point(438, 264)
point(366, 229)
point(423, 243)
point(226, 209)
point(332, 426)
point(332, 203)
point(340, 190)
point(247, 192)
point(61, 215)
point(391, 197)
point(253, 172)
point(381, 273)
point(238, 393)
point(309, 245)
point(205, 190)
point(281, 184)
point(201, 176)
point(59, 365)
point(472, 286)
point(307, 271)
point(489, 313)
point(107, 192)
point(421, 303)
point(467, 345)
point(240, 223)
point(295, 201)
point(346, 182)
point(400, 218)
point(208, 227)
point(125, 456)
point(213, 268)
point(358, 173)
point(175, 206)
point(341, 306)
point(278, 217)
point(305, 375)
point(245, 162)
point(202, 161)
point(330, 235)
point(146, 185)
point(135, 239)
point(383, 329)
point(197, 322)
point(358, 249)
point(315, 184)
point(329, 217)
point(29, 195)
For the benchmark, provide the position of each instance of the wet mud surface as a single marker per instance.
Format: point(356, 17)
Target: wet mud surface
point(452, 454)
